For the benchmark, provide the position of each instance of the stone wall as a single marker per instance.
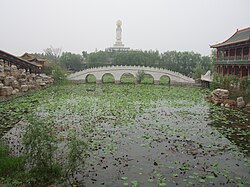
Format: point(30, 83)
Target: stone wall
point(14, 81)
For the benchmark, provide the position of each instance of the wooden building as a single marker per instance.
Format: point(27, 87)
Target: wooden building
point(29, 66)
point(35, 59)
point(233, 55)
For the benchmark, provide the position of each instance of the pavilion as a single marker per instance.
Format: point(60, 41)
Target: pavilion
point(233, 55)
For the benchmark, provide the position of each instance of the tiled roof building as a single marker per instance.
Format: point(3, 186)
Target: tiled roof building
point(233, 55)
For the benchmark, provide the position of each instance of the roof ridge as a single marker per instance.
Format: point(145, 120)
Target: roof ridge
point(243, 30)
point(231, 42)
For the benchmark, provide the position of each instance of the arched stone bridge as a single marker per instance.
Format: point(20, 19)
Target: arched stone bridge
point(118, 71)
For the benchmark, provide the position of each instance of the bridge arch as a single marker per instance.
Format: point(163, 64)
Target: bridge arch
point(148, 78)
point(108, 79)
point(90, 78)
point(126, 75)
point(164, 79)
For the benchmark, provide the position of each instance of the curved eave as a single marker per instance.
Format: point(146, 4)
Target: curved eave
point(230, 43)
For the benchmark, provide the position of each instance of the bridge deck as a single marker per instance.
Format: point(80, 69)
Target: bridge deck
point(20, 63)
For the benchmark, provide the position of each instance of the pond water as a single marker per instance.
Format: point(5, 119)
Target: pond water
point(148, 135)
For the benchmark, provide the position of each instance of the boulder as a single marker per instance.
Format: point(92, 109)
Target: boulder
point(248, 105)
point(15, 84)
point(24, 88)
point(6, 91)
point(32, 87)
point(42, 84)
point(1, 68)
point(2, 76)
point(240, 102)
point(7, 68)
point(1, 85)
point(14, 71)
point(219, 95)
point(15, 91)
point(22, 81)
point(8, 80)
point(228, 103)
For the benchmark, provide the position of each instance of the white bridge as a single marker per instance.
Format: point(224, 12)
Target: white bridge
point(118, 71)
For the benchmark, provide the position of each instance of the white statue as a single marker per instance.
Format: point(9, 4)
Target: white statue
point(119, 31)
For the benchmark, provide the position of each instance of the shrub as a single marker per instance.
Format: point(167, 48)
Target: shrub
point(40, 144)
point(140, 75)
point(56, 71)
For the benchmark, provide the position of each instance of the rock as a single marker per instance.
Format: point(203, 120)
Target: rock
point(22, 81)
point(6, 91)
point(248, 105)
point(23, 75)
point(2, 76)
point(39, 80)
point(15, 84)
point(7, 68)
point(228, 103)
point(8, 80)
point(240, 102)
point(42, 84)
point(1, 85)
point(32, 87)
point(1, 68)
point(15, 91)
point(219, 95)
point(24, 88)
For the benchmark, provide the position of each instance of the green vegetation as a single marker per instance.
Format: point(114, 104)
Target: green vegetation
point(11, 167)
point(40, 145)
point(127, 134)
point(128, 78)
point(188, 63)
point(183, 62)
point(237, 87)
point(140, 76)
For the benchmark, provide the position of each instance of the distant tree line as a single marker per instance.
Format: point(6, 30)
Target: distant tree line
point(188, 63)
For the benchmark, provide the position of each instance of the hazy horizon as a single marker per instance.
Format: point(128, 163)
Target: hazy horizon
point(89, 25)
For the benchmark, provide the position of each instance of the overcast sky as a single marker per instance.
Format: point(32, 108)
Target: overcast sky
point(87, 25)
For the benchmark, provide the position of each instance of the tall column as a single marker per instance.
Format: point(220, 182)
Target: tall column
point(228, 70)
point(249, 71)
point(242, 49)
point(235, 53)
point(249, 53)
point(240, 68)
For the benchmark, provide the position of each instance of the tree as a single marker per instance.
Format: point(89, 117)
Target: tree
point(99, 58)
point(53, 54)
point(140, 75)
point(197, 71)
point(71, 61)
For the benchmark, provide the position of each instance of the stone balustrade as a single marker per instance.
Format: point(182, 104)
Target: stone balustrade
point(118, 71)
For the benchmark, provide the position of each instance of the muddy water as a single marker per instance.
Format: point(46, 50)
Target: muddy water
point(170, 142)
point(166, 146)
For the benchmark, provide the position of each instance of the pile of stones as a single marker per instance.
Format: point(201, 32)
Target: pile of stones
point(14, 80)
point(220, 97)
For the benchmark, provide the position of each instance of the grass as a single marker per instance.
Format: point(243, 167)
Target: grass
point(11, 167)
